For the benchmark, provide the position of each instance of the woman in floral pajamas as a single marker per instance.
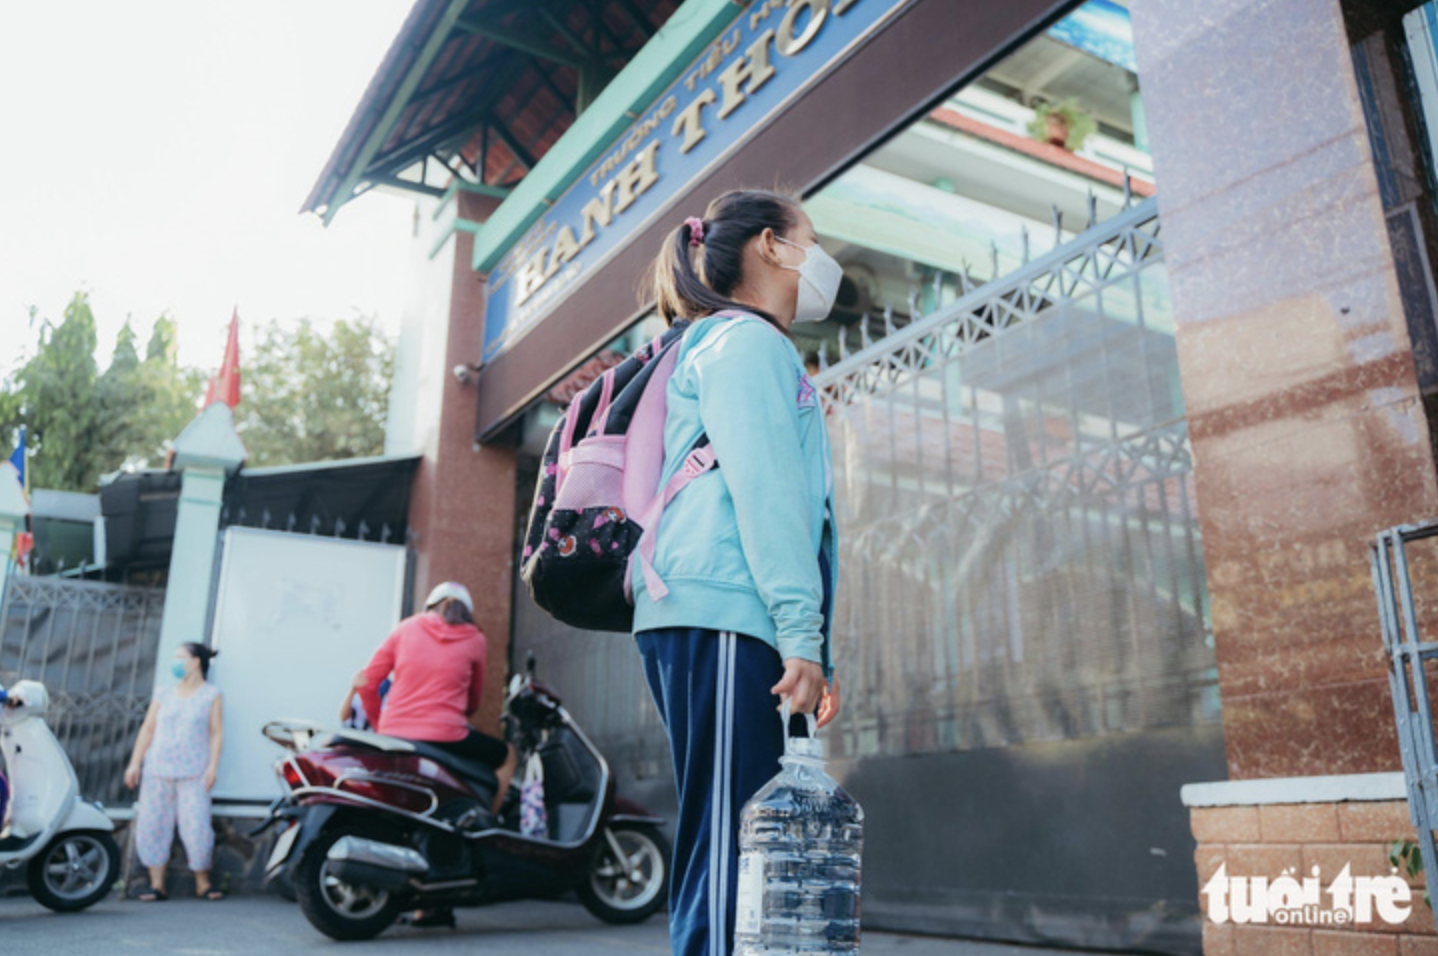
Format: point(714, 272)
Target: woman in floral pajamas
point(174, 764)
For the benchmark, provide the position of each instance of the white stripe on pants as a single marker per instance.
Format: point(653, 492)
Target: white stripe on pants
point(719, 800)
point(165, 801)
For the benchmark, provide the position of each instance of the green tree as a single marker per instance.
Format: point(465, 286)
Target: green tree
point(12, 402)
point(125, 360)
point(120, 397)
point(83, 424)
point(161, 346)
point(170, 398)
point(312, 393)
point(58, 390)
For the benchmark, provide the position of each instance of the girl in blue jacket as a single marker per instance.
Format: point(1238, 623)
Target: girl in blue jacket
point(746, 550)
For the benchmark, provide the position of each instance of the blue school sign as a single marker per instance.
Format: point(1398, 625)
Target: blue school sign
point(773, 51)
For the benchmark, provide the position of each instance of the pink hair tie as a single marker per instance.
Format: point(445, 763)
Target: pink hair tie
point(696, 230)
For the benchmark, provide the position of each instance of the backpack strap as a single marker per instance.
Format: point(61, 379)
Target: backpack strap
point(697, 462)
point(566, 438)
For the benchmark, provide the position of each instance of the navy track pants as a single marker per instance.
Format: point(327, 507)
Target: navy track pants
point(726, 738)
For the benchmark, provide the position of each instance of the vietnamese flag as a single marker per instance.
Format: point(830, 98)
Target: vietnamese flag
point(225, 385)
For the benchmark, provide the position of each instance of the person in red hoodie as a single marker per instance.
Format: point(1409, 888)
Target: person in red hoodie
point(436, 663)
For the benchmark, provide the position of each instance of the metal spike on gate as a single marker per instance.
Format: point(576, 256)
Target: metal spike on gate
point(1024, 237)
point(888, 321)
point(1127, 188)
point(339, 527)
point(314, 524)
point(1058, 225)
point(994, 256)
point(363, 532)
point(823, 355)
point(384, 533)
point(865, 340)
point(914, 303)
point(938, 288)
point(240, 518)
point(843, 344)
point(265, 519)
point(291, 521)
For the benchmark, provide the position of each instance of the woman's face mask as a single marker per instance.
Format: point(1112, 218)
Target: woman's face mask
point(177, 667)
point(819, 278)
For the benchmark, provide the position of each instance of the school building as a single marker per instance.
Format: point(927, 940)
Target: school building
point(1134, 356)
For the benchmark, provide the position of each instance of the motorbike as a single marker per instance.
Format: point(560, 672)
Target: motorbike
point(376, 825)
point(65, 843)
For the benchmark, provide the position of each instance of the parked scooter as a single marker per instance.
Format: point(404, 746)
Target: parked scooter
point(72, 858)
point(377, 825)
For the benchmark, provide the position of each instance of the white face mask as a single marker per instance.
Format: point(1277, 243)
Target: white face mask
point(819, 278)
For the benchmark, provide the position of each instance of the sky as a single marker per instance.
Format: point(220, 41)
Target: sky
point(156, 153)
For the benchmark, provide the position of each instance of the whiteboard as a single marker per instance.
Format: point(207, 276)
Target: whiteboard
point(296, 616)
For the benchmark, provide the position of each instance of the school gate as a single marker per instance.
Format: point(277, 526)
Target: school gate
point(92, 645)
point(1022, 630)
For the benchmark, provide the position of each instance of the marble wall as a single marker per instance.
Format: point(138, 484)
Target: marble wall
point(1307, 424)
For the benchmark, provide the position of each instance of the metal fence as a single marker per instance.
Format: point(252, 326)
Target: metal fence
point(1405, 617)
point(1022, 624)
point(1021, 556)
point(1022, 627)
point(1020, 548)
point(93, 646)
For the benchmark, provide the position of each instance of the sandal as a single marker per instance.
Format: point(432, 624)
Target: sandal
point(152, 895)
point(212, 895)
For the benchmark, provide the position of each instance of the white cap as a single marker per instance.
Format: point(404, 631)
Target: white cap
point(449, 589)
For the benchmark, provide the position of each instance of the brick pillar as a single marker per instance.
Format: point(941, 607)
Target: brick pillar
point(1308, 429)
point(462, 506)
point(1309, 827)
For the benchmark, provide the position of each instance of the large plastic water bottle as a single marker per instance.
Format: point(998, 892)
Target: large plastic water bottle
point(800, 842)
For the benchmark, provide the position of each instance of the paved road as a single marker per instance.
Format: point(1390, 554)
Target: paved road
point(266, 926)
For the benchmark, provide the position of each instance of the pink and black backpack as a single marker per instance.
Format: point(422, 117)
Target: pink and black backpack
point(598, 503)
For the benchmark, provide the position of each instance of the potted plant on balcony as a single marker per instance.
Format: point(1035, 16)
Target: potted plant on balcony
point(1064, 124)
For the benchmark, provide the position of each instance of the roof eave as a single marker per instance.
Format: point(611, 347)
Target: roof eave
point(409, 55)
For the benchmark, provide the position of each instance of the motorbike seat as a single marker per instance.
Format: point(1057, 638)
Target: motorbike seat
point(474, 772)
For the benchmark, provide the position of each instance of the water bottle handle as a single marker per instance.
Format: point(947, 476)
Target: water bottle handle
point(785, 709)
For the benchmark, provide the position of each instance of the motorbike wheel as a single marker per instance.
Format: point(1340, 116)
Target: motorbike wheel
point(75, 870)
point(340, 910)
point(610, 894)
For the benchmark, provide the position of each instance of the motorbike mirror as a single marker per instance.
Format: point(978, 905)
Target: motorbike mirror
point(529, 662)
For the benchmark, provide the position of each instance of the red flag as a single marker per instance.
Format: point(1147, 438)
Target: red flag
point(225, 385)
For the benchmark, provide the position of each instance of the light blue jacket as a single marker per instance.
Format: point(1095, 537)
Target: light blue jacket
point(739, 547)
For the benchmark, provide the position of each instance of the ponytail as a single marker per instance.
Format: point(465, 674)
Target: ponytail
point(454, 612)
point(682, 291)
point(202, 654)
